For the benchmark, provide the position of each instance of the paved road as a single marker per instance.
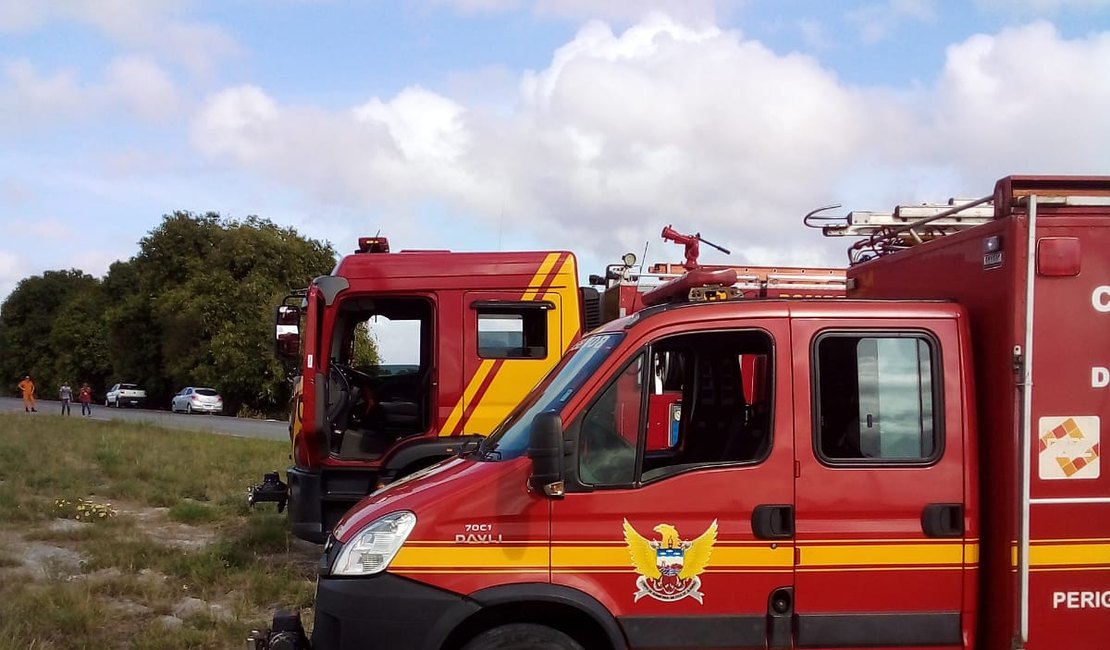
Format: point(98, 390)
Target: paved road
point(269, 429)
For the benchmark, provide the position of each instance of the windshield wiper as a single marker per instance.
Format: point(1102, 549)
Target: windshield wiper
point(470, 447)
point(486, 451)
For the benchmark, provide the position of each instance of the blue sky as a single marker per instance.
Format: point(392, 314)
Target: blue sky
point(486, 124)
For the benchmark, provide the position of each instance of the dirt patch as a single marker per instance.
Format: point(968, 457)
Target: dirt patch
point(155, 524)
point(56, 558)
point(40, 560)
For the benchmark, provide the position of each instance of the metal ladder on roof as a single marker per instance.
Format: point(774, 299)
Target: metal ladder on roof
point(759, 281)
point(908, 225)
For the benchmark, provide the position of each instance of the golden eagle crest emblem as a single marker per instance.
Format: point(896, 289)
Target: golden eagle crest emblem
point(669, 567)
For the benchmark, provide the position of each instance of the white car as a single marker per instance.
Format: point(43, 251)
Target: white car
point(194, 399)
point(122, 395)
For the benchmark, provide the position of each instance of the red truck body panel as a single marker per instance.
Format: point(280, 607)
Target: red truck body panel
point(934, 536)
point(1070, 542)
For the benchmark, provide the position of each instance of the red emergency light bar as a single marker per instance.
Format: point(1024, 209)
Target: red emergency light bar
point(373, 245)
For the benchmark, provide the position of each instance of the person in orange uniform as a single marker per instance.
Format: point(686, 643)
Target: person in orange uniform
point(28, 388)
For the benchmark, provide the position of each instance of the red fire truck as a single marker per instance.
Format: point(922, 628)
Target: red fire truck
point(921, 469)
point(476, 331)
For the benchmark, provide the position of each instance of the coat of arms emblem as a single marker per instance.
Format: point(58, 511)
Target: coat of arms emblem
point(669, 567)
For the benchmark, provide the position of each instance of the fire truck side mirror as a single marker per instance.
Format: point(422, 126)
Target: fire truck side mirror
point(545, 448)
point(287, 332)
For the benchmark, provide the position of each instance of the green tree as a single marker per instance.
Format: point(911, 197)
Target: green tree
point(51, 328)
point(195, 306)
point(366, 346)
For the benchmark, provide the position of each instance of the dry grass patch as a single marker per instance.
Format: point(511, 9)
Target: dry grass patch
point(124, 535)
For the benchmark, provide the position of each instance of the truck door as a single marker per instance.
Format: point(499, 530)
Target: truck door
point(1068, 562)
point(880, 510)
point(685, 539)
point(510, 344)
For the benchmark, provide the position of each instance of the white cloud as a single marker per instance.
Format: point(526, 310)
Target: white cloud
point(19, 15)
point(96, 262)
point(478, 6)
point(154, 27)
point(618, 10)
point(143, 87)
point(41, 229)
point(621, 11)
point(31, 96)
point(666, 123)
point(1042, 6)
point(130, 86)
point(382, 151)
point(1024, 100)
point(878, 21)
point(814, 35)
point(12, 269)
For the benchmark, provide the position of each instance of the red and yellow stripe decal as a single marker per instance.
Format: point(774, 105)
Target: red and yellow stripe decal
point(1051, 555)
point(727, 557)
point(499, 384)
point(823, 556)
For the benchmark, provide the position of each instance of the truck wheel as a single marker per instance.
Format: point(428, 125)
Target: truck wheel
point(523, 636)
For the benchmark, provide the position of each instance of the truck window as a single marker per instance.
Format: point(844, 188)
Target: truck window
point(512, 332)
point(876, 398)
point(610, 430)
point(706, 402)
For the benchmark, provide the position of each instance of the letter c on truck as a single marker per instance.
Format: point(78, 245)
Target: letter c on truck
point(1100, 299)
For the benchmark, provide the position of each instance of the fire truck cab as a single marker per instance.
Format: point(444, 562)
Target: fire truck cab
point(471, 333)
point(917, 466)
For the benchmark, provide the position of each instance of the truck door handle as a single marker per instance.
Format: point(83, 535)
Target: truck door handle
point(773, 521)
point(943, 520)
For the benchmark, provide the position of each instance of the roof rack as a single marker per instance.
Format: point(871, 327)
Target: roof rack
point(762, 281)
point(904, 228)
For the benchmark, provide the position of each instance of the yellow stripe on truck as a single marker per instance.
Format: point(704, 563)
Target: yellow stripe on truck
point(468, 394)
point(571, 318)
point(442, 557)
point(882, 555)
point(540, 276)
point(1042, 554)
point(722, 557)
point(461, 557)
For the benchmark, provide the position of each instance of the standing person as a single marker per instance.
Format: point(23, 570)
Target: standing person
point(65, 393)
point(85, 395)
point(28, 388)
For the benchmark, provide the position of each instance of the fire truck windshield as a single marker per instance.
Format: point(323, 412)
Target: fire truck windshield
point(510, 440)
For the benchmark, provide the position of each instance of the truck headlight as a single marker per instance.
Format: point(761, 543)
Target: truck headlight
point(372, 549)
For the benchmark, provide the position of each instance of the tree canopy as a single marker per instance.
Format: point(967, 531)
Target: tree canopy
point(194, 307)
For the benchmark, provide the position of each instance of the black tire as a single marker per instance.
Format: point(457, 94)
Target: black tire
point(188, 409)
point(523, 636)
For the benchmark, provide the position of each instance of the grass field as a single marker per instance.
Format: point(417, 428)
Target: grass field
point(115, 535)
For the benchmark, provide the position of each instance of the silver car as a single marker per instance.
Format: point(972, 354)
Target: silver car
point(193, 399)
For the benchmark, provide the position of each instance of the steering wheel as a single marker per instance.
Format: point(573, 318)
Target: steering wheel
point(354, 375)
